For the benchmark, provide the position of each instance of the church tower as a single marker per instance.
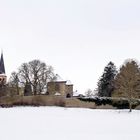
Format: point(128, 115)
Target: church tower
point(3, 77)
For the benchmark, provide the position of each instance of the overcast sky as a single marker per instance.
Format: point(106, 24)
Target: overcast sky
point(77, 37)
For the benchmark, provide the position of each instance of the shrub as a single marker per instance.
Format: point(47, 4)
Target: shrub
point(120, 103)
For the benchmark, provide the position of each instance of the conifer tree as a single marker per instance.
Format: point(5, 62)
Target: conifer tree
point(106, 82)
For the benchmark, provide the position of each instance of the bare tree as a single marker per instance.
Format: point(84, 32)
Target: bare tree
point(89, 93)
point(128, 82)
point(46, 75)
point(36, 73)
point(14, 82)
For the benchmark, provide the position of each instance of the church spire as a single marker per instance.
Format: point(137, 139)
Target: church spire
point(2, 67)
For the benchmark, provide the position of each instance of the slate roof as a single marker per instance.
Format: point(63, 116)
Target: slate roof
point(2, 67)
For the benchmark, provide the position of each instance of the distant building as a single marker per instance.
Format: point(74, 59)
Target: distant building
point(3, 77)
point(60, 87)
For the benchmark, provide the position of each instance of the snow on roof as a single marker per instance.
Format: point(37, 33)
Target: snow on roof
point(76, 93)
point(59, 79)
point(68, 82)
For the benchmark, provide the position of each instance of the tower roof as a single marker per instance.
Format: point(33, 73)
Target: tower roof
point(59, 79)
point(2, 67)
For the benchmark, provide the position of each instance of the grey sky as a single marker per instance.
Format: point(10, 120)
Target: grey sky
point(77, 37)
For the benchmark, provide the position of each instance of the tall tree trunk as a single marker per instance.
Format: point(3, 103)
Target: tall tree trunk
point(34, 90)
point(17, 90)
point(130, 106)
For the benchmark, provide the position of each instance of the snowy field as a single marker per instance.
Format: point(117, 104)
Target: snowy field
point(54, 123)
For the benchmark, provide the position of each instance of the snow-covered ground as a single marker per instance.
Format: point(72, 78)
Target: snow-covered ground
point(54, 123)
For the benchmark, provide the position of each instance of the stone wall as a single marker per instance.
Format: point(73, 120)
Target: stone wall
point(59, 87)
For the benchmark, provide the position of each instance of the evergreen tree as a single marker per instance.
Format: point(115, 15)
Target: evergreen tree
point(106, 82)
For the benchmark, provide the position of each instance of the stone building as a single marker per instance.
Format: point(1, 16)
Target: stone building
point(60, 87)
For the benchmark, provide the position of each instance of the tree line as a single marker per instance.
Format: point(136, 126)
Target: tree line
point(124, 82)
point(32, 76)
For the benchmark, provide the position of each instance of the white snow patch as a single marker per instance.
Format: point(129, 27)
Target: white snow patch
point(54, 123)
point(76, 93)
point(57, 94)
point(68, 82)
